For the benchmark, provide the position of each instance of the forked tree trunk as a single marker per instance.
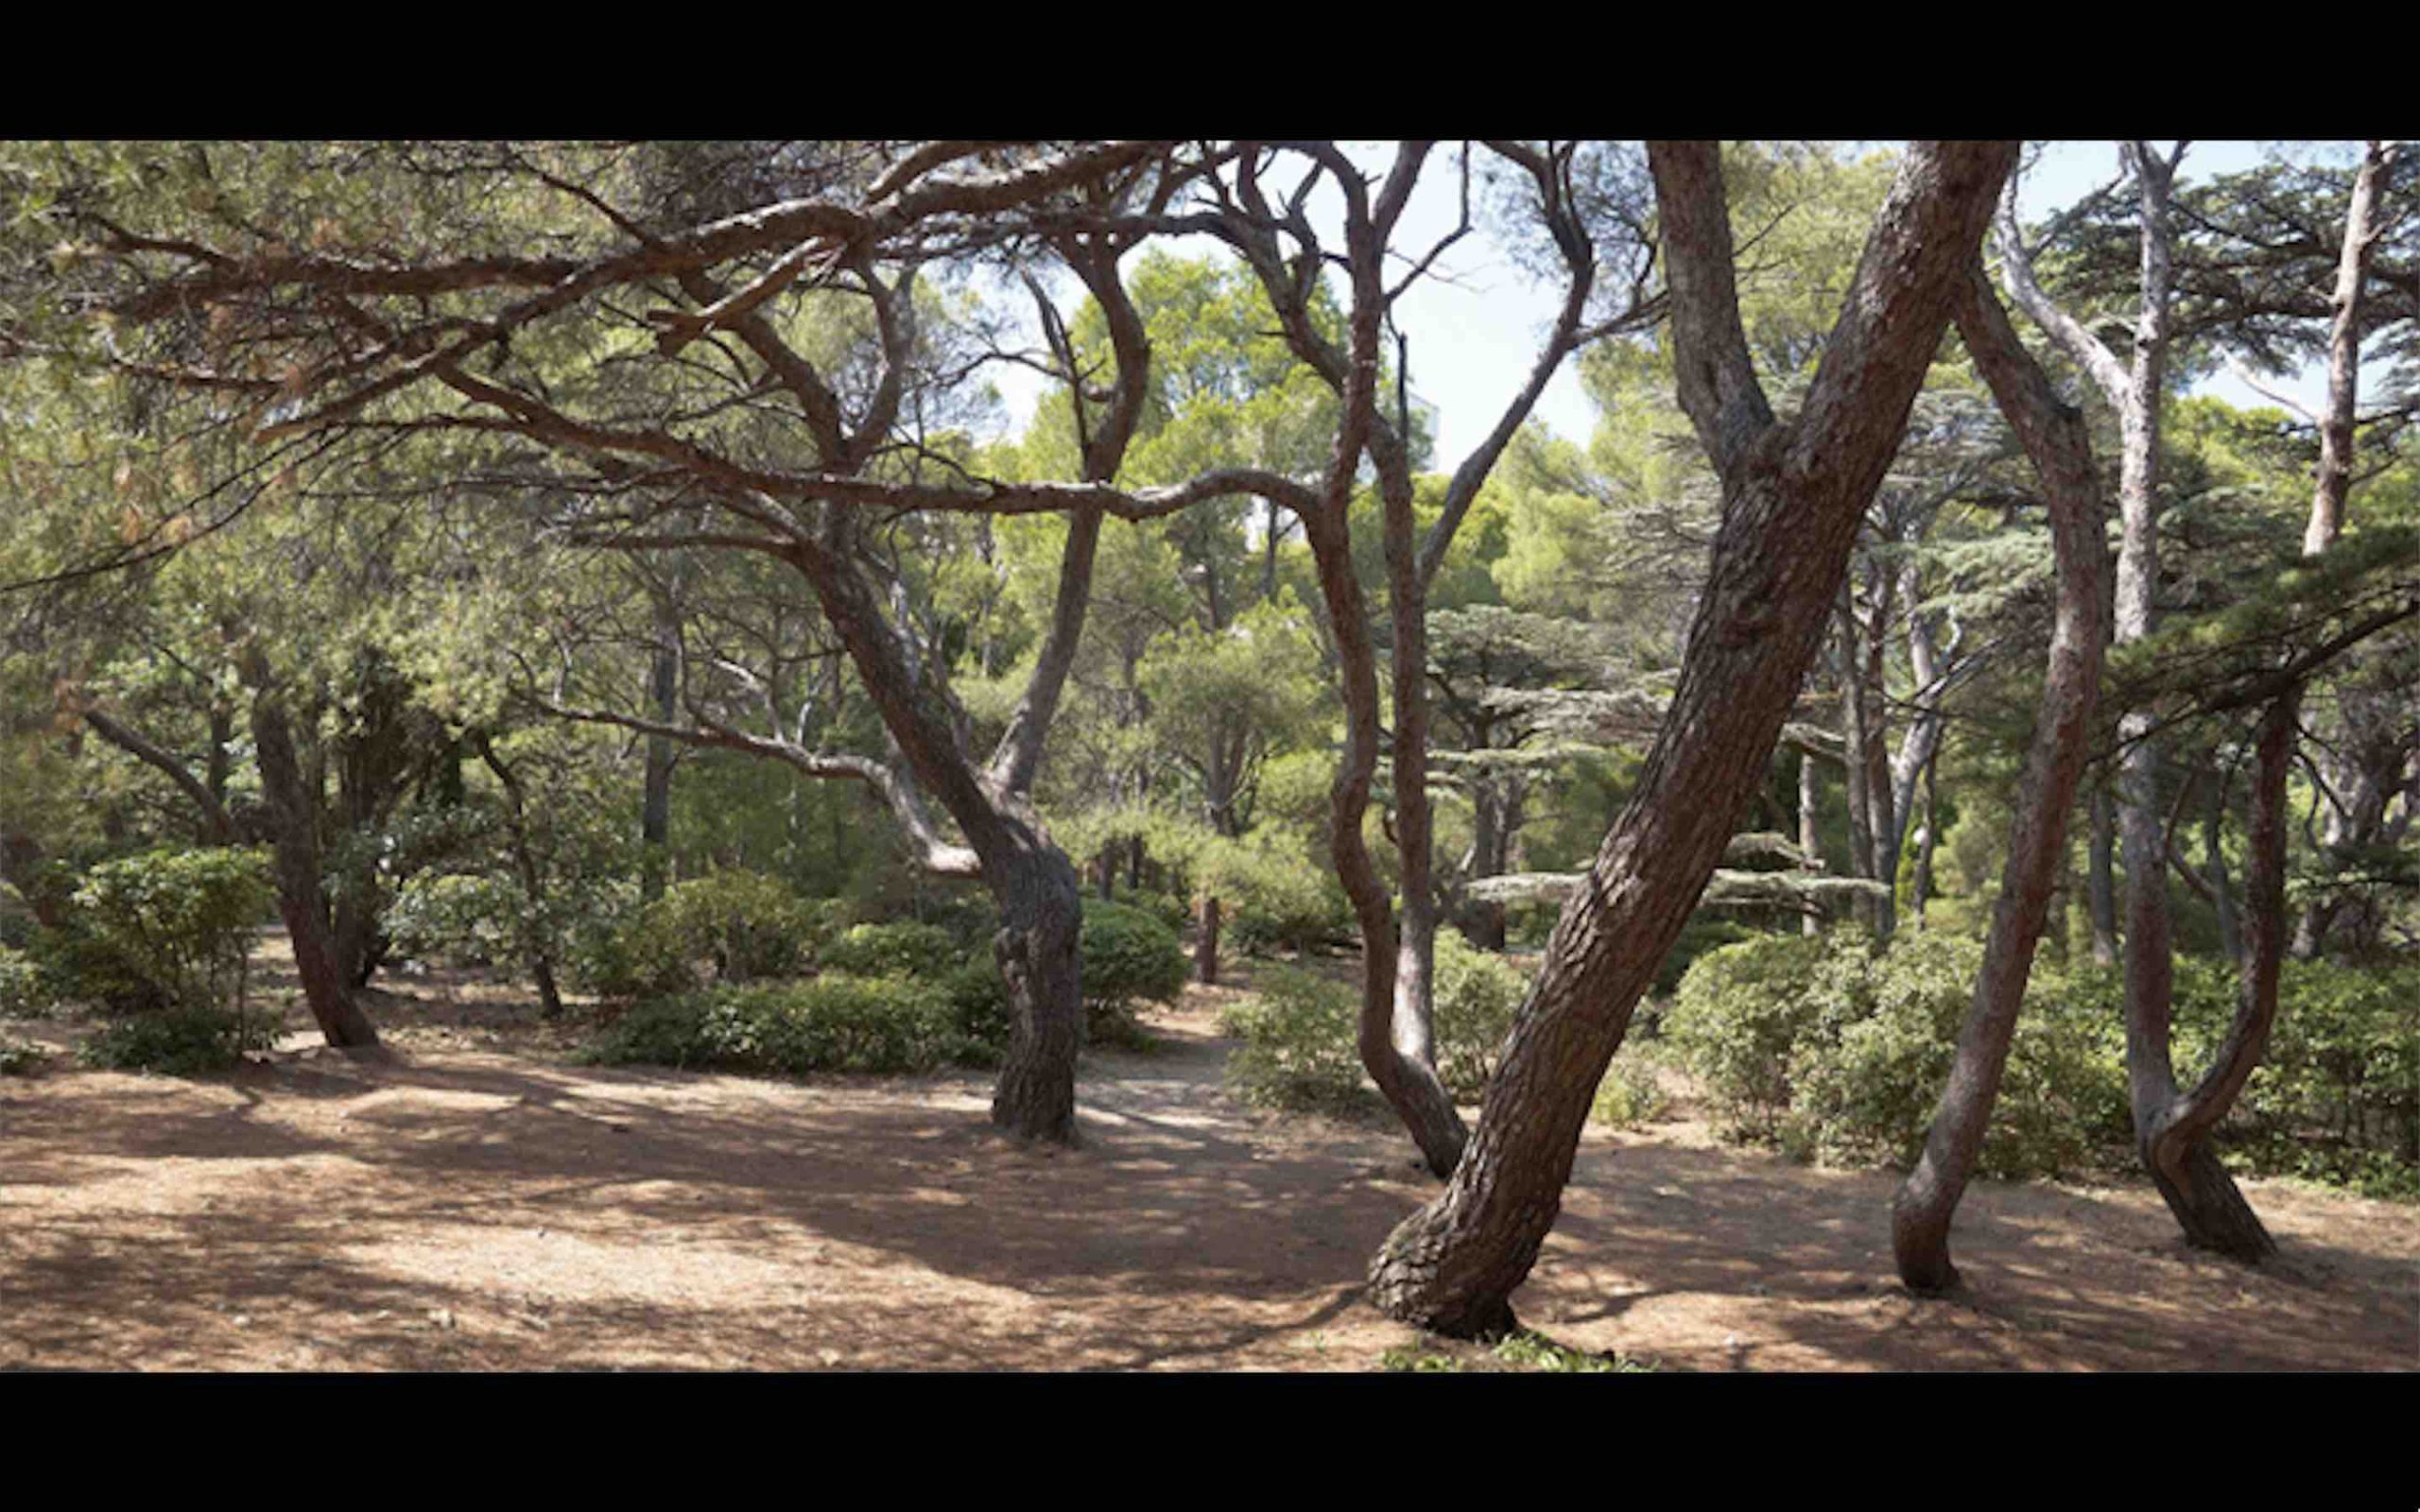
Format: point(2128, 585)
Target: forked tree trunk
point(2175, 1134)
point(1792, 497)
point(1392, 1045)
point(2055, 439)
point(302, 897)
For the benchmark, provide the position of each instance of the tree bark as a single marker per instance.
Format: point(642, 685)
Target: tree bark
point(2100, 883)
point(301, 896)
point(2055, 439)
point(1206, 945)
point(1792, 497)
point(525, 862)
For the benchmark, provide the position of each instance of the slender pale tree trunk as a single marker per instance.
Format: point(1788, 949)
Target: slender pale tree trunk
point(2101, 878)
point(1792, 496)
point(2175, 1133)
point(2055, 439)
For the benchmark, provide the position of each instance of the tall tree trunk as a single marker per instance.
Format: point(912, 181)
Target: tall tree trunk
point(2100, 880)
point(1792, 497)
point(1206, 945)
point(535, 949)
point(2214, 863)
point(655, 805)
point(1810, 837)
point(2175, 1134)
point(2055, 439)
point(1041, 911)
point(1405, 1078)
point(1930, 840)
point(302, 897)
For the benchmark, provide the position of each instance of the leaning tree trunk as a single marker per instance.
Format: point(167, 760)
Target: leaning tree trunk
point(302, 897)
point(1792, 496)
point(2175, 1133)
point(2054, 437)
point(1035, 884)
point(1396, 1060)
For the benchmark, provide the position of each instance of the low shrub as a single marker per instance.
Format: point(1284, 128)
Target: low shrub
point(901, 949)
point(1299, 1050)
point(1831, 1051)
point(24, 991)
point(1127, 957)
point(728, 926)
point(1630, 1095)
point(1476, 995)
point(20, 1057)
point(179, 1041)
point(834, 1023)
point(462, 920)
point(166, 929)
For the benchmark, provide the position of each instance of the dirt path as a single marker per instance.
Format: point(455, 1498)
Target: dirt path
point(469, 1207)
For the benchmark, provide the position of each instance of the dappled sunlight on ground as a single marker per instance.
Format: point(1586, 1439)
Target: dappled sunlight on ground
point(467, 1204)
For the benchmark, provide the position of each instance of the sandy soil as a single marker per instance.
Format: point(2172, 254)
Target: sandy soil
point(476, 1202)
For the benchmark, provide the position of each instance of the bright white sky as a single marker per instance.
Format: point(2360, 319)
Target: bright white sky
point(1474, 331)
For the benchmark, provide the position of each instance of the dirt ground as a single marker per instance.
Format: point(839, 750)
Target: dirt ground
point(478, 1202)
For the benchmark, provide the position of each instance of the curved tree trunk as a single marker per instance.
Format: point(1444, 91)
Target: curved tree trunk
point(301, 896)
point(1397, 1062)
point(1792, 497)
point(2056, 439)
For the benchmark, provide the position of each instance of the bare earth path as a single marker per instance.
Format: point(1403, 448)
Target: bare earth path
point(468, 1205)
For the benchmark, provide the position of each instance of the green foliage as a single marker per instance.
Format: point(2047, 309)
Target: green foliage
point(463, 919)
point(901, 949)
point(1127, 957)
point(1739, 1012)
point(1477, 994)
point(1299, 1050)
point(1514, 1351)
point(1630, 1095)
point(24, 991)
point(834, 1023)
point(168, 928)
point(740, 926)
point(20, 1057)
point(177, 1041)
point(1830, 1051)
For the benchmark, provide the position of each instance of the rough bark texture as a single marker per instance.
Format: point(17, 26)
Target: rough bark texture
point(302, 897)
point(2169, 1129)
point(2054, 437)
point(1792, 497)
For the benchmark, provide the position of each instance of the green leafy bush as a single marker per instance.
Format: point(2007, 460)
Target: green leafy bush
point(727, 926)
point(1127, 957)
point(834, 1023)
point(20, 1057)
point(1828, 1051)
point(24, 991)
point(1476, 995)
point(463, 919)
point(168, 928)
point(180, 1042)
point(1298, 1047)
point(1739, 1010)
point(1630, 1095)
point(1301, 1037)
point(901, 949)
